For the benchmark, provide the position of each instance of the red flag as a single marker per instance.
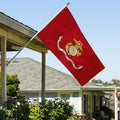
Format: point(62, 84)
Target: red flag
point(64, 38)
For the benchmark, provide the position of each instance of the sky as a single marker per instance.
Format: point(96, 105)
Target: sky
point(99, 21)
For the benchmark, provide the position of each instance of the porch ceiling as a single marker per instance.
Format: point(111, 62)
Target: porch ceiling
point(17, 34)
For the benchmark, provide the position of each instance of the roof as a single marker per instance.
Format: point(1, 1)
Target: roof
point(16, 21)
point(18, 34)
point(29, 74)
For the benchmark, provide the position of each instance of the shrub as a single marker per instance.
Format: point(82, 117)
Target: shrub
point(2, 114)
point(35, 112)
point(12, 85)
point(17, 108)
point(51, 110)
point(73, 117)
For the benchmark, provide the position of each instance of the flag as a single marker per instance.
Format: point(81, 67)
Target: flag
point(66, 41)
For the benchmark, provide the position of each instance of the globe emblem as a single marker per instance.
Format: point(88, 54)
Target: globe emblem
point(73, 50)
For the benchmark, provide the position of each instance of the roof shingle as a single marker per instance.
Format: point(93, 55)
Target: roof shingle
point(29, 73)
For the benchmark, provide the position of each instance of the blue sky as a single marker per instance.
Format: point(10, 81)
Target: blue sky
point(98, 20)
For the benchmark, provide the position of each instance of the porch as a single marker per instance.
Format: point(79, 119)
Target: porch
point(96, 102)
point(14, 36)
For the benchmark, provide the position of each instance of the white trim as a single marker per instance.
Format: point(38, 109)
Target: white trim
point(102, 88)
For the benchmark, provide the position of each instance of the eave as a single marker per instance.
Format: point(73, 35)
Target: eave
point(18, 34)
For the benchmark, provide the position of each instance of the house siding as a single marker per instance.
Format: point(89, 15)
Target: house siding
point(76, 101)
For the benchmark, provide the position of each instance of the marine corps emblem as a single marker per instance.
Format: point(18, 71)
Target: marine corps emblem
point(74, 49)
point(71, 50)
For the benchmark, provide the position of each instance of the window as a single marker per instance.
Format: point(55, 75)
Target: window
point(15, 62)
point(85, 97)
point(34, 97)
point(65, 96)
point(76, 94)
point(51, 95)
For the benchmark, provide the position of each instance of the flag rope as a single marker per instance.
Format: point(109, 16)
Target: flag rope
point(34, 36)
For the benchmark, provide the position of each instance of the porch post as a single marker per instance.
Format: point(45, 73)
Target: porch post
point(43, 79)
point(3, 71)
point(81, 102)
point(116, 105)
point(91, 111)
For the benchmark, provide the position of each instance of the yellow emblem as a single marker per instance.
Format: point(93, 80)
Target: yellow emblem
point(74, 50)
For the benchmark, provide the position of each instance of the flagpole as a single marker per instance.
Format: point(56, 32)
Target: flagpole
point(35, 36)
point(21, 49)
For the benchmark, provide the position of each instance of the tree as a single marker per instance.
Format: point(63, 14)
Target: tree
point(94, 81)
point(12, 85)
point(12, 82)
point(115, 82)
point(97, 81)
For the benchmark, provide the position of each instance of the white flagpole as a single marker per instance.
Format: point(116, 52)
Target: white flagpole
point(35, 36)
point(21, 49)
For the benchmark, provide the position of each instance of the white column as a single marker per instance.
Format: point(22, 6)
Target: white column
point(80, 99)
point(116, 105)
point(3, 70)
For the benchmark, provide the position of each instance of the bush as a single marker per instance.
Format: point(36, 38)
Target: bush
point(51, 110)
point(2, 114)
point(17, 108)
point(35, 112)
point(12, 85)
point(73, 117)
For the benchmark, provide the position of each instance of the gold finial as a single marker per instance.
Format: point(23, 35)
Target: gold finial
point(68, 3)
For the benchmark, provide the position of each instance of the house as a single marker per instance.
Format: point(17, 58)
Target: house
point(14, 34)
point(87, 99)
